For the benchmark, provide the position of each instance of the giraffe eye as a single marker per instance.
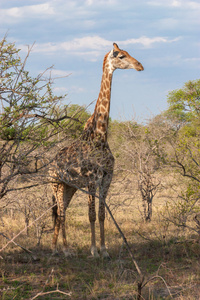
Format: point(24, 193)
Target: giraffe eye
point(122, 56)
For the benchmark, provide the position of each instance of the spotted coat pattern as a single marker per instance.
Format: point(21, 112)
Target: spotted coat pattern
point(88, 162)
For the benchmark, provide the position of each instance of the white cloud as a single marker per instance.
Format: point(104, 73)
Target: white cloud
point(176, 61)
point(187, 4)
point(88, 42)
point(61, 89)
point(18, 13)
point(148, 42)
point(59, 73)
point(167, 60)
point(194, 5)
point(93, 45)
point(69, 90)
point(176, 3)
point(76, 89)
point(193, 62)
point(167, 23)
point(100, 2)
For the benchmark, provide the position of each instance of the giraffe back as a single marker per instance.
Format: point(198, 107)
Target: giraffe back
point(83, 163)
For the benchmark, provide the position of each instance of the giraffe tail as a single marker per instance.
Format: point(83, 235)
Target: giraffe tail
point(54, 211)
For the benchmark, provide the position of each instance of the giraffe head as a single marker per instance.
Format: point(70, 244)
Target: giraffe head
point(120, 59)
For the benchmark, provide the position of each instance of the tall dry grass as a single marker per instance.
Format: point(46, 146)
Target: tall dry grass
point(164, 251)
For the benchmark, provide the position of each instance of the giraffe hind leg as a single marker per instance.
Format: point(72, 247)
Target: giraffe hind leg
point(54, 211)
point(62, 195)
point(68, 193)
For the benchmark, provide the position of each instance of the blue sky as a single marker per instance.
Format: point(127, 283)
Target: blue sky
point(74, 36)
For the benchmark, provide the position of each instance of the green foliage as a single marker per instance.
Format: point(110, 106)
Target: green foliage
point(24, 99)
point(184, 104)
point(76, 111)
point(184, 110)
point(29, 124)
point(184, 114)
point(71, 118)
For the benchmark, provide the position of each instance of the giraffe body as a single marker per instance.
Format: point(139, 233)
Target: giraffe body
point(88, 162)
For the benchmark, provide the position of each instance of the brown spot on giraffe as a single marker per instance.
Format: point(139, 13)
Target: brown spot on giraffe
point(105, 103)
point(102, 109)
point(88, 162)
point(107, 84)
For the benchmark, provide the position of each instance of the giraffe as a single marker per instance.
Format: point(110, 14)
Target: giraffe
point(88, 162)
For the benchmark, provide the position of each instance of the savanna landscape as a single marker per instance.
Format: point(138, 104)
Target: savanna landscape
point(152, 224)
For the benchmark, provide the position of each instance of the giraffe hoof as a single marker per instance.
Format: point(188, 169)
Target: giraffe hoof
point(104, 253)
point(55, 253)
point(106, 256)
point(68, 253)
point(94, 252)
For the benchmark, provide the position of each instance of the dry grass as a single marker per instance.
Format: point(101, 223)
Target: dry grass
point(162, 250)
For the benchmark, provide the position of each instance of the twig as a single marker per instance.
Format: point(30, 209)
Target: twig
point(26, 250)
point(51, 292)
point(160, 277)
point(42, 293)
point(55, 120)
point(141, 280)
point(12, 240)
point(125, 240)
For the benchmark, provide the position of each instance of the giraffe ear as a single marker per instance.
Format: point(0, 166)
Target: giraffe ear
point(115, 50)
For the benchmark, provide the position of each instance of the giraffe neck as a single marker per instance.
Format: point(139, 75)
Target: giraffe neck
point(97, 125)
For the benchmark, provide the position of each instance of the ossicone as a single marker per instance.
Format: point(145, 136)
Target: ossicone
point(116, 48)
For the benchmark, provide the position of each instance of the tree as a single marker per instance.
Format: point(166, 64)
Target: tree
point(184, 110)
point(184, 104)
point(184, 114)
point(29, 124)
point(142, 150)
point(74, 111)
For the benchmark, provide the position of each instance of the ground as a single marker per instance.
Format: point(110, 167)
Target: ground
point(168, 258)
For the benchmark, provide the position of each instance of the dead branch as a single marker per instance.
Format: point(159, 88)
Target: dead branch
point(158, 277)
point(52, 292)
point(23, 248)
point(141, 276)
point(42, 293)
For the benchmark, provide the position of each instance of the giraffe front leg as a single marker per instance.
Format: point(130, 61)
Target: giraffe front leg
point(103, 250)
point(56, 218)
point(93, 249)
point(103, 189)
point(92, 219)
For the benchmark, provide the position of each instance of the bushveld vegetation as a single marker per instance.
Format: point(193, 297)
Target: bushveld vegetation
point(154, 197)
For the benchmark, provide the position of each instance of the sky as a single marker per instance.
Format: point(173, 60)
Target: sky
point(74, 36)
